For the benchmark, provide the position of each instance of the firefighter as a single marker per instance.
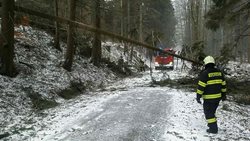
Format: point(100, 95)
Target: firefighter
point(212, 88)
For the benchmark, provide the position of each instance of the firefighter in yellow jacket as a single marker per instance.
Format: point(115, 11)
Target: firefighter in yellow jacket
point(212, 88)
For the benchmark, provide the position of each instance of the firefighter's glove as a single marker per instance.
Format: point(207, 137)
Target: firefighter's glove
point(198, 100)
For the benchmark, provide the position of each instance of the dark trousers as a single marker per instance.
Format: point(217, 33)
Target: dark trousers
point(209, 111)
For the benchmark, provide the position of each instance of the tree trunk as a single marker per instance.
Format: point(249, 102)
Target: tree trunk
point(128, 18)
point(56, 40)
point(140, 23)
point(122, 18)
point(188, 28)
point(199, 20)
point(131, 53)
point(7, 43)
point(96, 49)
point(195, 20)
point(204, 28)
point(248, 55)
point(127, 26)
point(70, 39)
point(129, 29)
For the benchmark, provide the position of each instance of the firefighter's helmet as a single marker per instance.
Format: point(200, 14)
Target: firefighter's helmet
point(208, 60)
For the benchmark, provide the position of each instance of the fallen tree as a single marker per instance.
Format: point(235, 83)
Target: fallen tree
point(100, 31)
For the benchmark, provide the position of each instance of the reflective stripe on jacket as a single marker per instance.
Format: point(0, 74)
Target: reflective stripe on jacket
point(211, 84)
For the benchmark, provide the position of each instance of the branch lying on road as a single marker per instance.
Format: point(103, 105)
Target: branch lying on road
point(29, 65)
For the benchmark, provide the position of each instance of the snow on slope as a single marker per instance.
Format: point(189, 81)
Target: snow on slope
point(40, 74)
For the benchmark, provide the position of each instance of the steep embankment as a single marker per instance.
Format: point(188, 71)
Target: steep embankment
point(42, 82)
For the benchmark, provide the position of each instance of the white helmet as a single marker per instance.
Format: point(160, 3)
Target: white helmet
point(209, 59)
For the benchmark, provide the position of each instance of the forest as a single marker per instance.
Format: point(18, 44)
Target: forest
point(202, 27)
point(217, 27)
point(104, 15)
point(65, 58)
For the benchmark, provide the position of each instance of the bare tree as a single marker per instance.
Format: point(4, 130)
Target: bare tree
point(248, 50)
point(122, 17)
point(56, 40)
point(140, 21)
point(96, 49)
point(70, 40)
point(7, 45)
point(196, 20)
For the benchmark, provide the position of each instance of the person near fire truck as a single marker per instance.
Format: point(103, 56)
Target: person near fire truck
point(212, 88)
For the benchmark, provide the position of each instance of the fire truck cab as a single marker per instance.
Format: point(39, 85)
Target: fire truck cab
point(164, 61)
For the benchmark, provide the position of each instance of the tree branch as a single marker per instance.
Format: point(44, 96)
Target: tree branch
point(245, 35)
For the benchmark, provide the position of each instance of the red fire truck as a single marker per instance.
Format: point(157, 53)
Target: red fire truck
point(164, 61)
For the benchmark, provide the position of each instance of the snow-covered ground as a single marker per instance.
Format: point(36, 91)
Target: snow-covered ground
point(184, 121)
point(41, 74)
point(184, 117)
point(239, 71)
point(187, 122)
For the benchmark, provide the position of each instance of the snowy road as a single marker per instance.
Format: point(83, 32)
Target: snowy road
point(135, 115)
point(131, 110)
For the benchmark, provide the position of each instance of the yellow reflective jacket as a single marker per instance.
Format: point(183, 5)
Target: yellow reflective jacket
point(211, 85)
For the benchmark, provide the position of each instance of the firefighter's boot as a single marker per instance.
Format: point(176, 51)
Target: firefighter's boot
point(213, 128)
